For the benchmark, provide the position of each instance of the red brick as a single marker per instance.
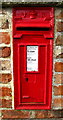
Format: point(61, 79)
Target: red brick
point(48, 114)
point(60, 26)
point(5, 103)
point(51, 114)
point(0, 103)
point(60, 55)
point(5, 52)
point(59, 67)
point(41, 114)
point(17, 114)
point(5, 65)
point(58, 90)
point(4, 37)
point(5, 91)
point(60, 15)
point(59, 40)
point(58, 78)
point(58, 102)
point(5, 78)
point(5, 24)
point(3, 11)
point(54, 113)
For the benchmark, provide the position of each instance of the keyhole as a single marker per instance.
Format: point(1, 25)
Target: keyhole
point(27, 79)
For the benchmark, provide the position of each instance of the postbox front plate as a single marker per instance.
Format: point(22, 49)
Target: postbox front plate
point(32, 53)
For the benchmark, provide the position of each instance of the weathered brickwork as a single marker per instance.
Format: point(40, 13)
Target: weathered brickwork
point(5, 59)
point(59, 67)
point(27, 114)
point(58, 102)
point(5, 65)
point(58, 61)
point(58, 78)
point(5, 78)
point(5, 91)
point(59, 39)
point(5, 103)
point(58, 90)
point(59, 26)
point(4, 37)
point(5, 52)
point(6, 71)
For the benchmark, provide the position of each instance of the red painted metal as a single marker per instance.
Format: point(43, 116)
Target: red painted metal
point(42, 25)
point(32, 26)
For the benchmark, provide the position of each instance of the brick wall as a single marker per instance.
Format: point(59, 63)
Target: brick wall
point(6, 81)
point(6, 70)
point(58, 61)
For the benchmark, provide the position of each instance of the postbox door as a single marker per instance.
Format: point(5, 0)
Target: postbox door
point(33, 74)
point(33, 65)
point(33, 70)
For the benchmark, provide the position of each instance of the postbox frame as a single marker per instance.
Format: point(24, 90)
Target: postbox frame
point(17, 103)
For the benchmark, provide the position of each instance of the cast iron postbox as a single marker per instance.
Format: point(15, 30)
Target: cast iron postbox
point(32, 54)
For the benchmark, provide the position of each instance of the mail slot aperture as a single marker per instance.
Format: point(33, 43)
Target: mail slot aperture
point(32, 28)
point(32, 57)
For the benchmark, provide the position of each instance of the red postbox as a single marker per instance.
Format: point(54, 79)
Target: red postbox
point(32, 57)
